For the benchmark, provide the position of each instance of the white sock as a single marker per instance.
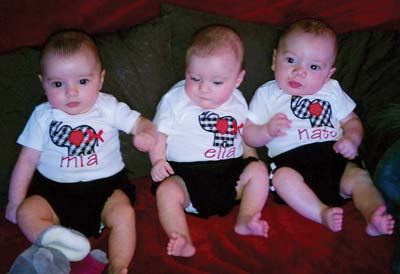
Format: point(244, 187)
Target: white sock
point(73, 244)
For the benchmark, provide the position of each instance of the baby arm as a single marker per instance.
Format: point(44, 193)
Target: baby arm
point(161, 168)
point(144, 134)
point(259, 135)
point(20, 180)
point(352, 136)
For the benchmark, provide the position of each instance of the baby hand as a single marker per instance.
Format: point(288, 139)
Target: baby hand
point(346, 147)
point(144, 141)
point(277, 124)
point(11, 213)
point(161, 170)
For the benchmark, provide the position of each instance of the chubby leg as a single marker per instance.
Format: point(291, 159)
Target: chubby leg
point(119, 216)
point(253, 190)
point(34, 216)
point(39, 223)
point(295, 192)
point(172, 198)
point(357, 183)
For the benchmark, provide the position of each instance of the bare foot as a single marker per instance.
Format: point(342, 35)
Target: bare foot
point(380, 223)
point(179, 245)
point(252, 225)
point(332, 218)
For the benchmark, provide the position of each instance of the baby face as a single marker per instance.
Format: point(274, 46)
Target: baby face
point(303, 62)
point(211, 79)
point(72, 82)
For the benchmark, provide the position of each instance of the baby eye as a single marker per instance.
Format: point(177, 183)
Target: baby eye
point(83, 81)
point(194, 79)
point(57, 84)
point(315, 67)
point(218, 83)
point(290, 60)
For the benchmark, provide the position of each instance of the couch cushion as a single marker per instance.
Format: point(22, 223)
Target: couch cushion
point(138, 72)
point(138, 64)
point(20, 92)
point(369, 71)
point(259, 41)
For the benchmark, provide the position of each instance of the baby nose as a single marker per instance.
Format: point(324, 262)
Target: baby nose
point(72, 90)
point(300, 71)
point(204, 87)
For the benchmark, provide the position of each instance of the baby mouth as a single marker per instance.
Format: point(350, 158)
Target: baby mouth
point(204, 98)
point(73, 104)
point(294, 84)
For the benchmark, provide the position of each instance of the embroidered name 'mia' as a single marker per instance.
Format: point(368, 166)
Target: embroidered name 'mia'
point(78, 161)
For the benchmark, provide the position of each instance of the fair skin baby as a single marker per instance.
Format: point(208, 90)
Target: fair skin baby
point(72, 84)
point(210, 81)
point(302, 64)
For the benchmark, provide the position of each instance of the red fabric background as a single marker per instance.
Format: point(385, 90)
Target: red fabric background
point(295, 245)
point(28, 23)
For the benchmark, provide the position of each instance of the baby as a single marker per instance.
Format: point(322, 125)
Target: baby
point(308, 124)
point(71, 153)
point(201, 164)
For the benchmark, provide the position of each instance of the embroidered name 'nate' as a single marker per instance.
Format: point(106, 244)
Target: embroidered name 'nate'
point(318, 133)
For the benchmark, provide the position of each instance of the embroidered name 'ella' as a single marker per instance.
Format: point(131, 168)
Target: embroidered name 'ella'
point(220, 153)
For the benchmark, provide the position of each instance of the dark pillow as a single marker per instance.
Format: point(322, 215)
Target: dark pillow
point(259, 42)
point(138, 64)
point(368, 70)
point(139, 70)
point(20, 92)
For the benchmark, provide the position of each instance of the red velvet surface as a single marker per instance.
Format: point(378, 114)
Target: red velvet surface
point(295, 245)
point(28, 23)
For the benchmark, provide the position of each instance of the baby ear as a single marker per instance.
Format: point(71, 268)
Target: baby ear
point(40, 76)
point(102, 76)
point(331, 72)
point(240, 78)
point(273, 60)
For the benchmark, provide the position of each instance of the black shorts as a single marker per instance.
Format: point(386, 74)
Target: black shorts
point(79, 205)
point(211, 184)
point(321, 167)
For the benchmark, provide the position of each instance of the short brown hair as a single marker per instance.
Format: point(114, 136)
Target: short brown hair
point(67, 42)
point(213, 38)
point(313, 26)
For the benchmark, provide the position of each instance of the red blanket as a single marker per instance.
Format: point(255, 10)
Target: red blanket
point(295, 245)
